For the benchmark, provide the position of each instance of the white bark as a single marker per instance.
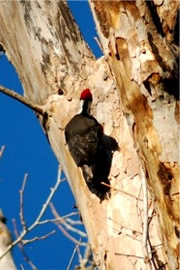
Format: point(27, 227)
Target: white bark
point(138, 40)
point(47, 50)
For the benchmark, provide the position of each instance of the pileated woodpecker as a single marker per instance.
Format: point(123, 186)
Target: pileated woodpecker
point(90, 148)
point(83, 133)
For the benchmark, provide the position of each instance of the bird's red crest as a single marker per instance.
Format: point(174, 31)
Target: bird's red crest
point(86, 94)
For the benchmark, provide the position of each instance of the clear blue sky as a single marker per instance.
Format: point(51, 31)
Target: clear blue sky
point(27, 151)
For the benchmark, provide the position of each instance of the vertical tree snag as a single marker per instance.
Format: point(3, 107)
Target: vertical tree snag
point(54, 64)
point(139, 39)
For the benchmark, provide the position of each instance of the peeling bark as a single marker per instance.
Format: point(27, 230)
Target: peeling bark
point(54, 64)
point(138, 38)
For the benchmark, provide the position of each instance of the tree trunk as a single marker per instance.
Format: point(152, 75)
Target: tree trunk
point(139, 40)
point(54, 64)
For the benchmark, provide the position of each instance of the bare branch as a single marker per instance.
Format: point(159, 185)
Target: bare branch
point(53, 190)
point(63, 217)
point(73, 254)
point(88, 256)
point(43, 237)
point(22, 248)
point(129, 255)
point(68, 235)
point(98, 43)
point(122, 191)
point(64, 230)
point(21, 202)
point(23, 100)
point(81, 261)
point(63, 222)
point(2, 150)
point(73, 222)
point(36, 222)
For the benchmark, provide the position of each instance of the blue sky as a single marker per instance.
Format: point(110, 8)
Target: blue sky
point(27, 151)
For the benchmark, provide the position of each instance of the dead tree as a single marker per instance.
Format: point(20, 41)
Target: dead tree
point(135, 97)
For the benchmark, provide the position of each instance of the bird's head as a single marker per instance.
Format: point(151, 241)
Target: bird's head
point(86, 95)
point(86, 99)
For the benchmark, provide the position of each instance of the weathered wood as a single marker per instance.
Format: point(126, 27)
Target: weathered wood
point(54, 64)
point(137, 38)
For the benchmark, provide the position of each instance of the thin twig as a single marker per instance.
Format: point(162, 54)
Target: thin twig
point(154, 248)
point(36, 222)
point(73, 254)
point(63, 222)
point(134, 235)
point(2, 150)
point(52, 220)
point(22, 99)
point(75, 230)
point(21, 214)
point(145, 226)
point(73, 222)
point(98, 43)
point(43, 237)
point(22, 248)
point(65, 217)
point(82, 265)
point(87, 258)
point(122, 191)
point(74, 240)
point(129, 255)
point(45, 205)
point(63, 230)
